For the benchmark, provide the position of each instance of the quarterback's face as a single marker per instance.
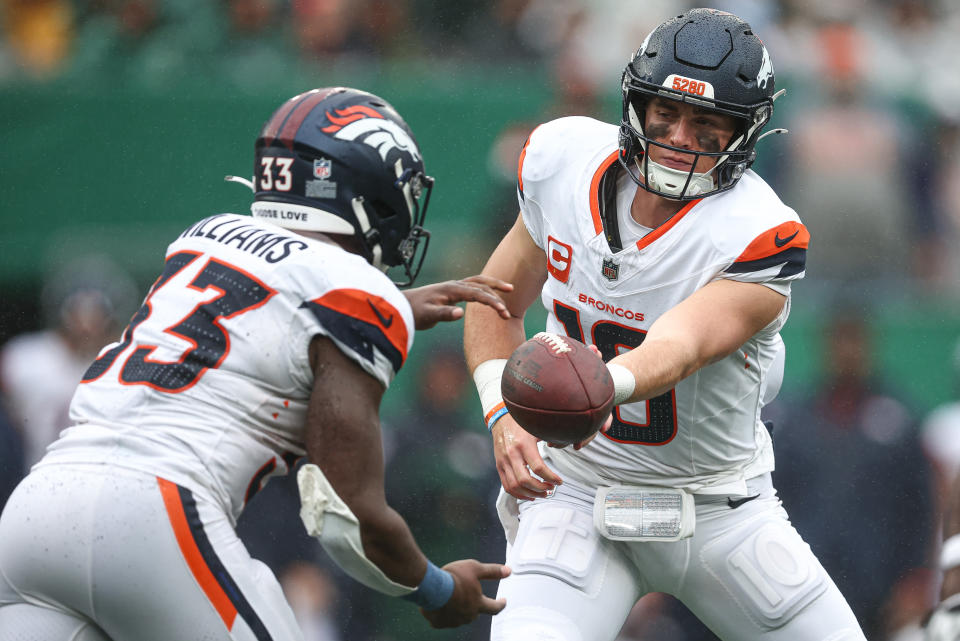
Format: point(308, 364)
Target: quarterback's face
point(688, 127)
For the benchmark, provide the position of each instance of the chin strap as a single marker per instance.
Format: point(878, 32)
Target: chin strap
point(242, 181)
point(372, 239)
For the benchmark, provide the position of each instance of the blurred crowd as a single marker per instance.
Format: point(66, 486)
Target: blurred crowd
point(872, 165)
point(873, 102)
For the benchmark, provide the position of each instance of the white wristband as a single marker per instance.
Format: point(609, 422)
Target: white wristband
point(950, 553)
point(487, 376)
point(623, 383)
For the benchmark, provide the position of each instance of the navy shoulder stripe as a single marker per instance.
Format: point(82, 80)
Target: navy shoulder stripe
point(794, 261)
point(359, 335)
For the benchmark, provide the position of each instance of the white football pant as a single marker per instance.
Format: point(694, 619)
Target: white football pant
point(745, 573)
point(99, 553)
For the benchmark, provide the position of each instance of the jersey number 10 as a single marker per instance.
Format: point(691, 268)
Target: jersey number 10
point(609, 337)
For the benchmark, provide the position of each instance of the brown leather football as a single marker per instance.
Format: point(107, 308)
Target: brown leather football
point(557, 389)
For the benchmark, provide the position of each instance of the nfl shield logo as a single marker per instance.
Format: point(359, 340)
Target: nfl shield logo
point(321, 168)
point(610, 269)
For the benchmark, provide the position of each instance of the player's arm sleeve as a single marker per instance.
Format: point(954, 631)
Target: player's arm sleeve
point(775, 258)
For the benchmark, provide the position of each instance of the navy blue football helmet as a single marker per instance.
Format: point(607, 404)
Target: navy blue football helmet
point(342, 161)
point(711, 59)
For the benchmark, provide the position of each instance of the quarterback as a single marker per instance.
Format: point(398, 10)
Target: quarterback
point(655, 242)
point(265, 339)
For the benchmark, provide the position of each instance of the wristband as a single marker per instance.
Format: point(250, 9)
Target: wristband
point(623, 383)
point(487, 377)
point(950, 553)
point(495, 415)
point(434, 590)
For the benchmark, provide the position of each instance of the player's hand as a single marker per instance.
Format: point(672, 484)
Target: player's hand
point(516, 453)
point(603, 428)
point(437, 303)
point(468, 600)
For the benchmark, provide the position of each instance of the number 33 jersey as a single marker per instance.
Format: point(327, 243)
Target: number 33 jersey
point(209, 384)
point(609, 279)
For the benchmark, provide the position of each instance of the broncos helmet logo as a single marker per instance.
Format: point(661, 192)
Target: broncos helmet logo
point(766, 70)
point(365, 125)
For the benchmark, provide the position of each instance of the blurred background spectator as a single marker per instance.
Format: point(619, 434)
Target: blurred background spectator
point(322, 597)
point(11, 457)
point(440, 464)
point(84, 304)
point(849, 173)
point(853, 477)
point(119, 111)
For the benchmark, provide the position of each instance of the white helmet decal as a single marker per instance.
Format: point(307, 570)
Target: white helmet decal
point(382, 134)
point(766, 70)
point(643, 47)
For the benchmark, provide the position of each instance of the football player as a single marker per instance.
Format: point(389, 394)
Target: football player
point(265, 339)
point(655, 242)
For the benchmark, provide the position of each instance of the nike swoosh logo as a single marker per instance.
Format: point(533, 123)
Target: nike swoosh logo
point(386, 322)
point(780, 242)
point(735, 503)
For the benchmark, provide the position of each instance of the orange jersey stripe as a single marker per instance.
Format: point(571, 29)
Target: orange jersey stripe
point(667, 226)
point(523, 154)
point(191, 554)
point(773, 241)
point(595, 190)
point(370, 309)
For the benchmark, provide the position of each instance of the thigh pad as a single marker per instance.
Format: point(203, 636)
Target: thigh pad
point(560, 541)
point(767, 568)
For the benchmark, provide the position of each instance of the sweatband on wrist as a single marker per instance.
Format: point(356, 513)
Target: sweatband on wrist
point(950, 553)
point(487, 377)
point(495, 415)
point(435, 589)
point(623, 383)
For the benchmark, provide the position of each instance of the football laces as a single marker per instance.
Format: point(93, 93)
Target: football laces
point(555, 342)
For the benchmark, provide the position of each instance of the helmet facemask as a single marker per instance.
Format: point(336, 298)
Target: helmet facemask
point(732, 161)
point(410, 246)
point(709, 59)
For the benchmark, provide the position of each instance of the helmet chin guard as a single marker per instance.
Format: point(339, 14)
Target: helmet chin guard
point(674, 181)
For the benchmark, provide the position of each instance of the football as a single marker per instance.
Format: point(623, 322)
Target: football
point(557, 389)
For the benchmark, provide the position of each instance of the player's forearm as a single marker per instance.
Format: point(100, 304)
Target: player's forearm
point(486, 335)
point(657, 366)
point(389, 544)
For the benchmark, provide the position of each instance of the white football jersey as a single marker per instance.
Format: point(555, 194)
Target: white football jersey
point(609, 280)
point(209, 384)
